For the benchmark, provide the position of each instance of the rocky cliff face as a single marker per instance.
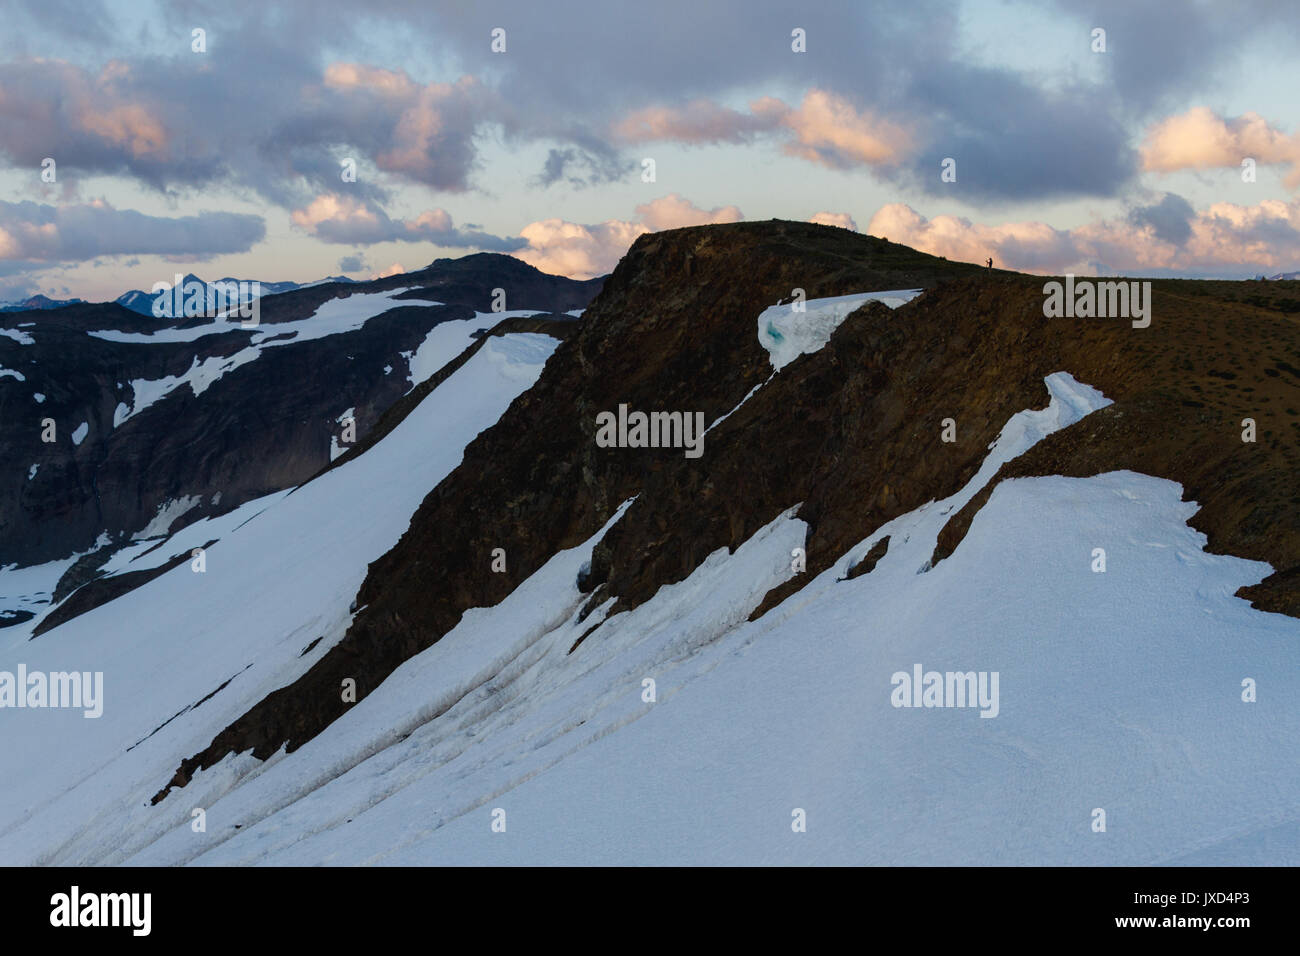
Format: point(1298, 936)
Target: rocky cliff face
point(260, 426)
point(862, 421)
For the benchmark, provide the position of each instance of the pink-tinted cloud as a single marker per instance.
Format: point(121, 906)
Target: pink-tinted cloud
point(700, 121)
point(1201, 139)
point(170, 124)
point(576, 250)
point(332, 217)
point(582, 251)
point(428, 130)
point(825, 128)
point(830, 131)
point(1223, 238)
point(674, 212)
point(95, 120)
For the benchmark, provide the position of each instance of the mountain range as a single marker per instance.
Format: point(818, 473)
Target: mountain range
point(142, 302)
point(947, 577)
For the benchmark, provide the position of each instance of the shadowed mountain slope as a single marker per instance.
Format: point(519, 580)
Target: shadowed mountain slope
point(158, 422)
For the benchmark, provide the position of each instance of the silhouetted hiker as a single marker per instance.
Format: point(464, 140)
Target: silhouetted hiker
point(990, 263)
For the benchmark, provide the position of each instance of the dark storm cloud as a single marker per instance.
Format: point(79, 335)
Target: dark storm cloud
point(580, 166)
point(1157, 52)
point(87, 23)
point(1170, 218)
point(1014, 140)
point(251, 110)
point(287, 90)
point(1011, 137)
point(34, 232)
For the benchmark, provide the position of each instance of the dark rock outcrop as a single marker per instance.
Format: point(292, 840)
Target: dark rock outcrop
point(259, 428)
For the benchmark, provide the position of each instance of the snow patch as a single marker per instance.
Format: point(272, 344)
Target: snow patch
point(345, 314)
point(787, 334)
point(446, 340)
point(168, 512)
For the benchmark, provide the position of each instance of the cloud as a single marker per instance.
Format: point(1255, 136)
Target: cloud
point(602, 165)
point(1201, 139)
point(1011, 139)
point(825, 128)
point(422, 132)
point(884, 84)
point(1018, 140)
point(829, 130)
point(580, 251)
point(1223, 239)
point(674, 212)
point(583, 251)
point(1170, 219)
point(331, 217)
point(1031, 246)
point(841, 219)
point(396, 269)
point(96, 122)
point(700, 121)
point(353, 263)
point(1154, 55)
point(39, 233)
point(170, 125)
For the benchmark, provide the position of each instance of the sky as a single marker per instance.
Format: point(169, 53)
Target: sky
point(298, 139)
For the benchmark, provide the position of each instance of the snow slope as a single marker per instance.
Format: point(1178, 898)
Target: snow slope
point(448, 339)
point(280, 583)
point(1119, 690)
point(752, 721)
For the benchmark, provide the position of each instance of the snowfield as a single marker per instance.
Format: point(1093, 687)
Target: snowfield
point(281, 581)
point(345, 314)
point(680, 732)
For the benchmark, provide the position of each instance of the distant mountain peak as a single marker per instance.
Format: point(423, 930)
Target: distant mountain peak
point(37, 301)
